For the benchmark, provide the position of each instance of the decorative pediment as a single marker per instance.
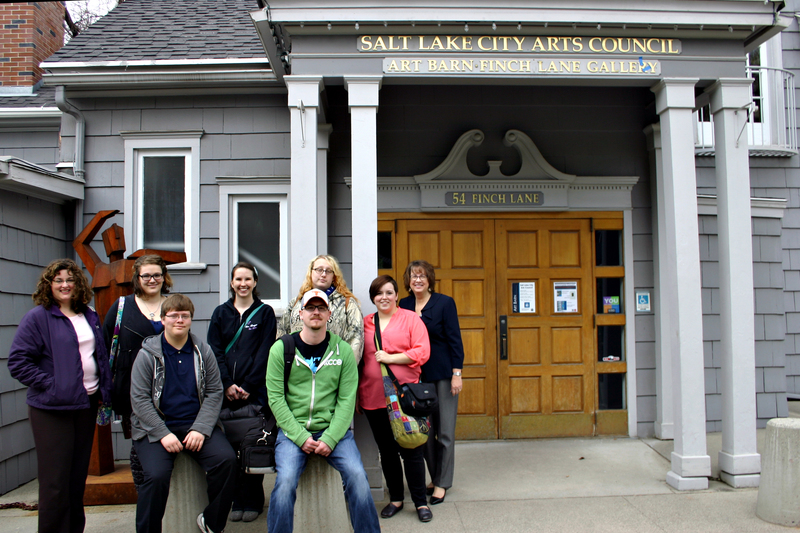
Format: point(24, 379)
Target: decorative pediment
point(534, 166)
point(537, 186)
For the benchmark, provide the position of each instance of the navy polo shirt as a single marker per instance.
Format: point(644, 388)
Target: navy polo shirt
point(179, 401)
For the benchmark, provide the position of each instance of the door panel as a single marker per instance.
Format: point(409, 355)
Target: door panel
point(546, 386)
point(462, 252)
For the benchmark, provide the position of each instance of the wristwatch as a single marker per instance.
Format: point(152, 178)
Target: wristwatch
point(457, 373)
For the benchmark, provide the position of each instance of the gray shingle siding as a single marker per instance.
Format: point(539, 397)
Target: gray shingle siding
point(33, 232)
point(243, 135)
point(769, 317)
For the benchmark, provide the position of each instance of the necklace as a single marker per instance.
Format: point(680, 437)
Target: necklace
point(152, 313)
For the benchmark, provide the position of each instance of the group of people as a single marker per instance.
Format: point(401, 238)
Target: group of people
point(169, 388)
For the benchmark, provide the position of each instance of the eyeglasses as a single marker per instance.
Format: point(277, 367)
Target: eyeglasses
point(321, 271)
point(179, 316)
point(419, 276)
point(312, 308)
point(148, 277)
point(68, 281)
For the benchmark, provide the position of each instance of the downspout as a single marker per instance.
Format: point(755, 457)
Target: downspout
point(80, 130)
point(80, 149)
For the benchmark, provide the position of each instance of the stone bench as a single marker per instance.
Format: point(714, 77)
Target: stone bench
point(320, 502)
point(779, 493)
point(188, 496)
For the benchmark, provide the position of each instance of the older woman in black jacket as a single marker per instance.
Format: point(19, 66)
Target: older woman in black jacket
point(440, 316)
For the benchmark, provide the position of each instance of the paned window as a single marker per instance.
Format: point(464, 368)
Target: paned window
point(162, 193)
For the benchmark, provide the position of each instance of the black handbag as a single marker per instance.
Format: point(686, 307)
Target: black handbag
point(416, 399)
point(257, 451)
point(239, 422)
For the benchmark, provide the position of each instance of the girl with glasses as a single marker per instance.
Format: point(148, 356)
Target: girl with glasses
point(325, 274)
point(59, 353)
point(141, 318)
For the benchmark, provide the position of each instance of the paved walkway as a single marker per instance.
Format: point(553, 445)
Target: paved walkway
point(572, 485)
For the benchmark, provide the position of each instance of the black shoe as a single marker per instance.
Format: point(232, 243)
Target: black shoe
point(429, 490)
point(390, 510)
point(424, 514)
point(437, 501)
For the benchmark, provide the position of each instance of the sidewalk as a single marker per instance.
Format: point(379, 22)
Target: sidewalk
point(575, 485)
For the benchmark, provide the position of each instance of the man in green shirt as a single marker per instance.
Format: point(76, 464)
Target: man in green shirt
point(314, 416)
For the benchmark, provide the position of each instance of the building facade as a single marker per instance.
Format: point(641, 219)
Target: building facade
point(612, 196)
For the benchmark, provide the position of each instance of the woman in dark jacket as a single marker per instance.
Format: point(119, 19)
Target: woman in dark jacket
point(141, 318)
point(241, 332)
point(59, 353)
point(440, 316)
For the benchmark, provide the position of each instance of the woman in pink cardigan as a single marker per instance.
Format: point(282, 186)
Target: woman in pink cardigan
point(405, 348)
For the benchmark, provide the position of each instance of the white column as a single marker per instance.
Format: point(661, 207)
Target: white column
point(303, 198)
point(363, 102)
point(739, 460)
point(691, 464)
point(322, 187)
point(663, 300)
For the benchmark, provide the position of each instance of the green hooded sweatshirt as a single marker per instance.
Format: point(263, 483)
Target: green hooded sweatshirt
point(321, 401)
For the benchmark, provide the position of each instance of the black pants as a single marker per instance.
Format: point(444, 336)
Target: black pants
point(249, 494)
point(63, 442)
point(217, 459)
point(391, 452)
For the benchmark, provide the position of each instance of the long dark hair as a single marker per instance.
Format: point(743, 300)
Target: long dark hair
point(251, 268)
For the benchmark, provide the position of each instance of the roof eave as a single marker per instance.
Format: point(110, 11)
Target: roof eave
point(30, 179)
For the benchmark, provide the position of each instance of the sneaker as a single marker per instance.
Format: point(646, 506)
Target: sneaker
point(249, 516)
point(201, 523)
point(237, 515)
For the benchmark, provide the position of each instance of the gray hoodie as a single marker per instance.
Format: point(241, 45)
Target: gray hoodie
point(147, 384)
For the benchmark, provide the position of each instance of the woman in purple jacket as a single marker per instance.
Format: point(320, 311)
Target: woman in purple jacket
point(59, 353)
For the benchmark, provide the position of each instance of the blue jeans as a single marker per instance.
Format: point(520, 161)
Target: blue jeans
point(290, 462)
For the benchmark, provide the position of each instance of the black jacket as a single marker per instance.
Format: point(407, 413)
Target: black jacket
point(441, 319)
point(246, 362)
point(133, 330)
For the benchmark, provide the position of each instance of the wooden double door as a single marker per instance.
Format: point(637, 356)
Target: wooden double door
point(529, 373)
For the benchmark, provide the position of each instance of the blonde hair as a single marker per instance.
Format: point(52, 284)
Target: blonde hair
point(338, 279)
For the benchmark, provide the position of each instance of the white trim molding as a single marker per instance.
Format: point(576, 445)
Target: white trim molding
point(759, 207)
point(188, 141)
point(255, 188)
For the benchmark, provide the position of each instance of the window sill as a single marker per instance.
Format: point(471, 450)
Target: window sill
point(186, 268)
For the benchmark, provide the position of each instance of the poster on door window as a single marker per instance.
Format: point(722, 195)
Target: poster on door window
point(523, 297)
point(565, 296)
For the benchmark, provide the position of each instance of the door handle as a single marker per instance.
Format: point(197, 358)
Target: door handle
point(503, 337)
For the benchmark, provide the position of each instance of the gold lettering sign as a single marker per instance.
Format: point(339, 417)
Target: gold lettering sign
point(493, 199)
point(528, 44)
point(521, 65)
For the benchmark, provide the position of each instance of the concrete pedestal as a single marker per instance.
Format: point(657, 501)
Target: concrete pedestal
point(779, 492)
point(320, 502)
point(188, 496)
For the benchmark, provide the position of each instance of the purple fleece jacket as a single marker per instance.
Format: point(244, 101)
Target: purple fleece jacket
point(44, 356)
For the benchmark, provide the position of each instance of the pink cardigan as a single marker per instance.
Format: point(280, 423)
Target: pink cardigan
point(405, 333)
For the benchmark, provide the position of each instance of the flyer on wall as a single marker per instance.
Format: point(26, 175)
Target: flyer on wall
point(565, 296)
point(523, 297)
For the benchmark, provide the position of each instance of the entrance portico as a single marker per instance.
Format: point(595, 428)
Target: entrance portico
point(668, 64)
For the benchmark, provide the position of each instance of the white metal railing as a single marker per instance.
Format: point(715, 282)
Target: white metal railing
point(771, 116)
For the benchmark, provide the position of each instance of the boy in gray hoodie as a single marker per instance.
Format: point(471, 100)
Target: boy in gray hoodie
point(176, 394)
